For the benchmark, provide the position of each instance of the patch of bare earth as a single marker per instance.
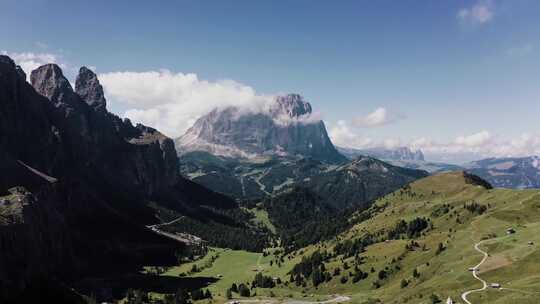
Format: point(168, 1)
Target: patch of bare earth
point(495, 262)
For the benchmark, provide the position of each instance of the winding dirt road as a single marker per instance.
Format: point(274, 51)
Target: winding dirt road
point(475, 274)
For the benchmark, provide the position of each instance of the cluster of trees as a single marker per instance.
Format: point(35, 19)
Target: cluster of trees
point(411, 229)
point(475, 208)
point(263, 281)
point(235, 236)
point(441, 210)
point(313, 267)
point(351, 248)
point(319, 220)
point(199, 294)
point(308, 264)
point(242, 289)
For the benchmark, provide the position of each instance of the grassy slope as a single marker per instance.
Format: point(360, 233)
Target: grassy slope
point(512, 262)
point(261, 216)
point(447, 273)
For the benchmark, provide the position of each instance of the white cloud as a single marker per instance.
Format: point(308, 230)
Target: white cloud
point(484, 144)
point(342, 135)
point(475, 140)
point(480, 13)
point(379, 117)
point(30, 61)
point(481, 144)
point(171, 101)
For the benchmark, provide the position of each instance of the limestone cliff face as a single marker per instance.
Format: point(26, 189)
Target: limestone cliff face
point(288, 127)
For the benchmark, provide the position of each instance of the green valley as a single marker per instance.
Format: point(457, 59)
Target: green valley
point(416, 246)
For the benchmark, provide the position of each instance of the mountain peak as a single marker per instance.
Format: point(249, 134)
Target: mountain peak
point(87, 86)
point(5, 59)
point(230, 132)
point(49, 81)
point(292, 105)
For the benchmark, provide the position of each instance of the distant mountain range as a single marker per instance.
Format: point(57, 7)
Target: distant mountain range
point(510, 172)
point(402, 157)
point(397, 154)
point(506, 172)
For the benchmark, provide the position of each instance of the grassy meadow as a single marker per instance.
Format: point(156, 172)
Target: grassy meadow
point(514, 260)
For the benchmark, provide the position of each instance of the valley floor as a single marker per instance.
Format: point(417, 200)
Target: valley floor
point(426, 268)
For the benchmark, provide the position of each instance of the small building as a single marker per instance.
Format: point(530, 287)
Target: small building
point(449, 301)
point(510, 231)
point(530, 243)
point(495, 285)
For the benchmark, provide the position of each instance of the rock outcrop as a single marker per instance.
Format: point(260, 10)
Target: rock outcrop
point(288, 127)
point(90, 90)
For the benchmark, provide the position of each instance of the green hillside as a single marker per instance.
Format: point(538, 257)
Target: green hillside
point(415, 246)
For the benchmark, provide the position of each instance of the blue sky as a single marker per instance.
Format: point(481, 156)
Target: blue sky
point(450, 76)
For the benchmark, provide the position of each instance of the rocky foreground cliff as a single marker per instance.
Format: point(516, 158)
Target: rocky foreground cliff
point(78, 184)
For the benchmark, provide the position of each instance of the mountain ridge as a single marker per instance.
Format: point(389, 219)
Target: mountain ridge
point(393, 154)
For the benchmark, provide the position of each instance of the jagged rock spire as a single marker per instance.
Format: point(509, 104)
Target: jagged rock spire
point(87, 86)
point(292, 105)
point(49, 81)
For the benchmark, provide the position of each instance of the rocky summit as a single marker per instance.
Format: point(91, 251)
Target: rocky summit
point(287, 127)
point(88, 88)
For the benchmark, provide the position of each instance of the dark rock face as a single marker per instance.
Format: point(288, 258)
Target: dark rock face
point(88, 88)
point(88, 178)
point(287, 128)
point(49, 81)
point(136, 158)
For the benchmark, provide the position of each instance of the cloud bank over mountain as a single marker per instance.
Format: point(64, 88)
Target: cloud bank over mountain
point(172, 101)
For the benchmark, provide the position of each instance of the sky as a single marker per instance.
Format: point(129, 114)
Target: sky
point(457, 79)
